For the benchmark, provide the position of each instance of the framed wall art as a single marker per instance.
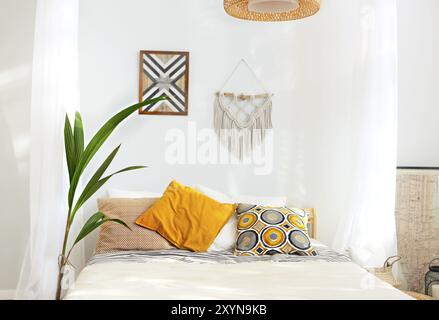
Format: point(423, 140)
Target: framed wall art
point(164, 73)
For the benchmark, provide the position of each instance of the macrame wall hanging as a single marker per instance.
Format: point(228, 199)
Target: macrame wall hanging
point(242, 120)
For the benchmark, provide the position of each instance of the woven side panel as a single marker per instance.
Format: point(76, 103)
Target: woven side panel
point(417, 222)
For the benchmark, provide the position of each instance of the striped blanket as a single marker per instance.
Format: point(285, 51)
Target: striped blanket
point(324, 254)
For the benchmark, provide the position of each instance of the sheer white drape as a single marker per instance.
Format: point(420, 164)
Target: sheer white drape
point(55, 91)
point(368, 229)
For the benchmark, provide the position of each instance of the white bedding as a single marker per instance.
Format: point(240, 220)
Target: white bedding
point(167, 278)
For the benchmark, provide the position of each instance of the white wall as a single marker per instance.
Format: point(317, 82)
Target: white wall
point(16, 39)
point(307, 64)
point(418, 83)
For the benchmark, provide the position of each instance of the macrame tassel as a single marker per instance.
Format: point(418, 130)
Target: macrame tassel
point(241, 138)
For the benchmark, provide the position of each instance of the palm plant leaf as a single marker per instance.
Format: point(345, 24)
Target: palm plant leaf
point(69, 145)
point(78, 137)
point(99, 138)
point(94, 222)
point(96, 183)
point(86, 193)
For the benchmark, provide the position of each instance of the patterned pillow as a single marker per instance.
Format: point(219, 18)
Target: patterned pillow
point(114, 237)
point(268, 231)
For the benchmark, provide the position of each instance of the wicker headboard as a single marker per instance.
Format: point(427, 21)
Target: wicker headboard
point(312, 222)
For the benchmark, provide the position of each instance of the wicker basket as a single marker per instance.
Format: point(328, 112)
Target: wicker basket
point(385, 272)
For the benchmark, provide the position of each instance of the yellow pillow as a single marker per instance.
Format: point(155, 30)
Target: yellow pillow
point(186, 218)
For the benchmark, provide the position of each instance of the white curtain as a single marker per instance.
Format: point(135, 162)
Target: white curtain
point(367, 231)
point(55, 91)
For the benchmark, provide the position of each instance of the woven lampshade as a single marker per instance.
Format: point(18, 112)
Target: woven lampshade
point(240, 9)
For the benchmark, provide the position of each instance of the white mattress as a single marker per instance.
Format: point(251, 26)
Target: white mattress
point(182, 275)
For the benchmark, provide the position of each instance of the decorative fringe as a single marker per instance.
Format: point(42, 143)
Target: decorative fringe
point(241, 138)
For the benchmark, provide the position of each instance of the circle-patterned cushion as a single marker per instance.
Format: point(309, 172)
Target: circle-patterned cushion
point(269, 231)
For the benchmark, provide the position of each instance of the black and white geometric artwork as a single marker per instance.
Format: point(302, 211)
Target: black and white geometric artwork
point(164, 73)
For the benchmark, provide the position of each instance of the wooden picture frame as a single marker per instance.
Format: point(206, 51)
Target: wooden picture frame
point(164, 73)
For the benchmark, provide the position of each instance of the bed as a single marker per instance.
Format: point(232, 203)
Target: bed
point(183, 275)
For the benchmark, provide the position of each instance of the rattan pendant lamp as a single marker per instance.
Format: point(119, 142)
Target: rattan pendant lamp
point(271, 10)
